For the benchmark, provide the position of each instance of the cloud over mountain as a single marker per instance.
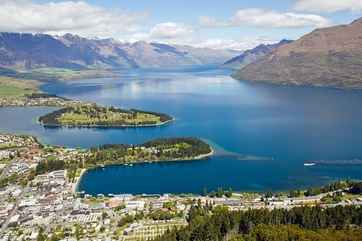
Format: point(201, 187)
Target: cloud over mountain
point(170, 30)
point(257, 17)
point(328, 5)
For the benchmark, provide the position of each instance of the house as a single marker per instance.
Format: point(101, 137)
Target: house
point(135, 205)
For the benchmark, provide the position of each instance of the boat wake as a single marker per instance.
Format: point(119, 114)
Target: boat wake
point(334, 162)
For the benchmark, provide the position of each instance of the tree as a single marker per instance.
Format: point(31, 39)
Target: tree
point(294, 193)
point(356, 188)
point(229, 193)
point(78, 232)
point(41, 235)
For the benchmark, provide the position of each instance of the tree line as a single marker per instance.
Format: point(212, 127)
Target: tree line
point(165, 149)
point(264, 232)
point(49, 166)
point(215, 224)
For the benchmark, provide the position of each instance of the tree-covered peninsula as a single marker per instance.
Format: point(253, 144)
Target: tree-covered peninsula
point(167, 149)
point(92, 115)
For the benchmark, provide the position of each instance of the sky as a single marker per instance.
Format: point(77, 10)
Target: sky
point(219, 24)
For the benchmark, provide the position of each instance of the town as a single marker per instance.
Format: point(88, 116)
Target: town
point(37, 99)
point(44, 204)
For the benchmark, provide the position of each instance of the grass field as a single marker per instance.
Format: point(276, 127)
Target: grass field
point(93, 115)
point(109, 117)
point(65, 74)
point(12, 87)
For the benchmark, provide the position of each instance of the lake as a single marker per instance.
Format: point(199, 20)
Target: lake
point(286, 125)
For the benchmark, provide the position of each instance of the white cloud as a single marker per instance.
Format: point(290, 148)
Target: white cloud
point(240, 44)
point(76, 17)
point(207, 21)
point(89, 20)
point(257, 17)
point(328, 5)
point(181, 34)
point(170, 30)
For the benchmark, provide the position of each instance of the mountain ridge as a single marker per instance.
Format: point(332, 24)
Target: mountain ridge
point(252, 55)
point(330, 57)
point(30, 51)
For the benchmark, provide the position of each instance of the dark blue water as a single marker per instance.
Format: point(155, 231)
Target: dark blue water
point(288, 124)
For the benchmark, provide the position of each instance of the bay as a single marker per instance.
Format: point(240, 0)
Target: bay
point(286, 125)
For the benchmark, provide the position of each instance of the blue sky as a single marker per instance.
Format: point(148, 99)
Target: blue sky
point(237, 24)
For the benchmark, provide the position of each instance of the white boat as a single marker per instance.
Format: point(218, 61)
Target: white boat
point(309, 164)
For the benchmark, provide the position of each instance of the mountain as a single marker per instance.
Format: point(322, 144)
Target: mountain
point(29, 51)
point(252, 55)
point(325, 57)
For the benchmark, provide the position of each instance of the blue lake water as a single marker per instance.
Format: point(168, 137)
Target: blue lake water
point(288, 125)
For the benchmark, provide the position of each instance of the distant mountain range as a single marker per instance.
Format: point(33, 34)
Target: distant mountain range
point(325, 57)
point(252, 55)
point(29, 51)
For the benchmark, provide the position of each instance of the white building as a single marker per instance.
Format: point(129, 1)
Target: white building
point(135, 205)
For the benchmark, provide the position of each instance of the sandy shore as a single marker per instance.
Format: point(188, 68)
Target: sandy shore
point(76, 183)
point(199, 157)
point(211, 153)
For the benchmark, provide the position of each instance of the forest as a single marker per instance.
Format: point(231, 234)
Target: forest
point(300, 223)
point(167, 149)
point(49, 166)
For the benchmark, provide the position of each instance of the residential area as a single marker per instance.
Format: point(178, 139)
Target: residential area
point(37, 99)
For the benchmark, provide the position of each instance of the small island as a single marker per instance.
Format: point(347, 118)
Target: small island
point(74, 113)
point(159, 150)
point(92, 115)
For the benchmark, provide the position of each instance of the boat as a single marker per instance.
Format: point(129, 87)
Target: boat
point(309, 164)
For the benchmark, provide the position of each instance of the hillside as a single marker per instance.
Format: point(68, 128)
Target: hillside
point(325, 57)
point(28, 51)
point(252, 55)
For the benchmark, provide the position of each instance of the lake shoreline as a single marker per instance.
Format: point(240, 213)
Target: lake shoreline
point(77, 181)
point(196, 158)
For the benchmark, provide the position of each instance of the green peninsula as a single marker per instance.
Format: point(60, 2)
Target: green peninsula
point(92, 115)
point(165, 149)
point(77, 161)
